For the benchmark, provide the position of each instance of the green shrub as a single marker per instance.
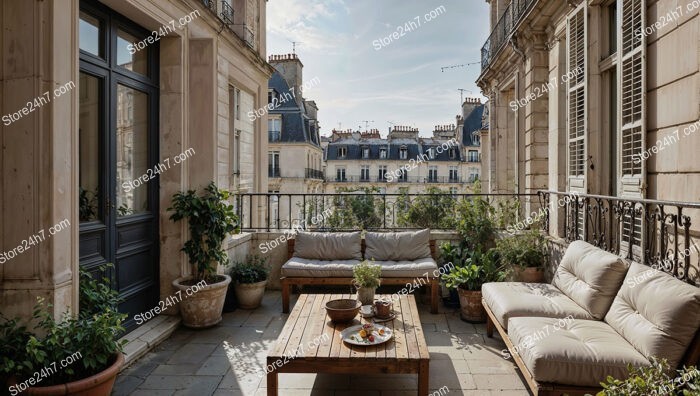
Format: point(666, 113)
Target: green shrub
point(654, 380)
point(525, 250)
point(253, 269)
point(367, 274)
point(479, 268)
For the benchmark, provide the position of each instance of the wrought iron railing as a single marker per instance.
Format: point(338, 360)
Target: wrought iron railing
point(651, 232)
point(210, 5)
point(394, 179)
point(314, 174)
point(504, 27)
point(226, 13)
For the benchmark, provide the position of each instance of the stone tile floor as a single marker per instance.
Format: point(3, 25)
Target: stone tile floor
point(226, 360)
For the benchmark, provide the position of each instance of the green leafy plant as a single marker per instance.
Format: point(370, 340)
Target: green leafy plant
point(367, 274)
point(475, 224)
point(358, 209)
point(93, 334)
point(211, 218)
point(506, 212)
point(252, 270)
point(527, 250)
point(433, 209)
point(654, 380)
point(478, 269)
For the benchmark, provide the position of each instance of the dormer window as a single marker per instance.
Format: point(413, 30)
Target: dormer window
point(431, 153)
point(270, 95)
point(403, 153)
point(382, 153)
point(365, 152)
point(342, 152)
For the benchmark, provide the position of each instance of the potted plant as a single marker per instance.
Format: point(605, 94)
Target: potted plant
point(525, 254)
point(475, 223)
point(457, 255)
point(656, 379)
point(74, 356)
point(250, 278)
point(478, 269)
point(210, 218)
point(366, 278)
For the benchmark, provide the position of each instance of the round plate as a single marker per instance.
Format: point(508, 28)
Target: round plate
point(371, 315)
point(351, 335)
point(381, 320)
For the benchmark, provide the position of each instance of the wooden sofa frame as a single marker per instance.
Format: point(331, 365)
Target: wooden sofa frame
point(288, 282)
point(692, 356)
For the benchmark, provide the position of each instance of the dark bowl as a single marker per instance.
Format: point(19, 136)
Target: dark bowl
point(343, 310)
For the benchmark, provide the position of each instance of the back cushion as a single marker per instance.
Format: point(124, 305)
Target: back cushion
point(328, 245)
point(590, 276)
point(656, 313)
point(397, 246)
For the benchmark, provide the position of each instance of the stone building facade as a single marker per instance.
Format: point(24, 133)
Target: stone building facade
point(145, 98)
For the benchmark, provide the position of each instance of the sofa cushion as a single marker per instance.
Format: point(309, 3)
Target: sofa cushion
point(328, 245)
point(572, 351)
point(512, 299)
point(397, 246)
point(419, 268)
point(590, 276)
point(656, 313)
point(302, 267)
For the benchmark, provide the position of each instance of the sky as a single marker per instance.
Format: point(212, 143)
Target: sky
point(401, 82)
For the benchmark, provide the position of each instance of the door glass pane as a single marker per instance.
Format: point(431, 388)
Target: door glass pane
point(90, 34)
point(131, 53)
point(133, 174)
point(89, 143)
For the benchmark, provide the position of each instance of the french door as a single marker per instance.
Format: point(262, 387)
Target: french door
point(118, 146)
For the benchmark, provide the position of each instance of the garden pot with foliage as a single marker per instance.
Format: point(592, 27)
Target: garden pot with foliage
point(525, 253)
point(210, 219)
point(366, 278)
point(456, 255)
point(475, 223)
point(73, 356)
point(478, 269)
point(250, 277)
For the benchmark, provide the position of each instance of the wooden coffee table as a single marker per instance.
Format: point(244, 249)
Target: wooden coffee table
point(310, 343)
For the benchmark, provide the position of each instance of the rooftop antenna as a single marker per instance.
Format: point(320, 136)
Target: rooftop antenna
point(461, 94)
point(442, 69)
point(294, 45)
point(366, 124)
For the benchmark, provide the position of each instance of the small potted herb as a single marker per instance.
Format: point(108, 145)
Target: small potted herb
point(366, 278)
point(525, 253)
point(250, 278)
point(478, 269)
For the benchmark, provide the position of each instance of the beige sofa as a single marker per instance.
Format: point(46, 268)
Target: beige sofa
point(598, 315)
point(329, 257)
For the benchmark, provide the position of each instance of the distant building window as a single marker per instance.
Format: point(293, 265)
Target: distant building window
point(340, 174)
point(431, 153)
point(365, 152)
point(270, 96)
point(403, 175)
point(274, 129)
point(364, 173)
point(476, 138)
point(433, 174)
point(454, 175)
point(473, 156)
point(382, 153)
point(342, 152)
point(273, 166)
point(382, 173)
point(453, 153)
point(238, 104)
point(403, 153)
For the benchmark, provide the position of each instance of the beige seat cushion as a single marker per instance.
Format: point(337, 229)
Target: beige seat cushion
point(420, 268)
point(590, 276)
point(572, 352)
point(656, 313)
point(397, 246)
point(512, 299)
point(311, 268)
point(328, 245)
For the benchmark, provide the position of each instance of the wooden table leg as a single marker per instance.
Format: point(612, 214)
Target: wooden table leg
point(272, 383)
point(285, 295)
point(423, 377)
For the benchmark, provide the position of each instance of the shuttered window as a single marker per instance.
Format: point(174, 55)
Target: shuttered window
point(576, 33)
point(632, 89)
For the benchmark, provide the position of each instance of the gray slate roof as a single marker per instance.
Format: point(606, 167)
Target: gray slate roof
point(296, 127)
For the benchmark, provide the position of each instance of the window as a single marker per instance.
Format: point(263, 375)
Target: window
point(90, 34)
point(473, 156)
point(576, 33)
point(432, 174)
point(454, 175)
point(340, 174)
point(403, 153)
point(382, 153)
point(270, 96)
point(612, 28)
point(632, 94)
point(364, 173)
point(473, 175)
point(237, 152)
point(403, 175)
point(382, 173)
point(342, 152)
point(273, 158)
point(274, 129)
point(476, 138)
point(365, 152)
point(431, 153)
point(238, 104)
point(453, 153)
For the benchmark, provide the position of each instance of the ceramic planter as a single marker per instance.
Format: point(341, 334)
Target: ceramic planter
point(203, 308)
point(99, 384)
point(529, 274)
point(366, 295)
point(250, 295)
point(472, 310)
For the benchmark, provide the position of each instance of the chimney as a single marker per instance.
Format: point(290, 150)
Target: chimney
point(290, 67)
point(469, 105)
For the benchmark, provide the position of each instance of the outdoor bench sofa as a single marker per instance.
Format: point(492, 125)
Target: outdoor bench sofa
point(616, 314)
point(327, 258)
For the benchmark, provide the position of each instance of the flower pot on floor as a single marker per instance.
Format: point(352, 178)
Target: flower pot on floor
point(97, 385)
point(250, 295)
point(529, 274)
point(202, 308)
point(472, 309)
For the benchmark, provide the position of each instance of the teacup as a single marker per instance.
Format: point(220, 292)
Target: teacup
point(366, 310)
point(383, 308)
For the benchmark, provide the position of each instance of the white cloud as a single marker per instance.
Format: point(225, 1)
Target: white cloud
point(300, 20)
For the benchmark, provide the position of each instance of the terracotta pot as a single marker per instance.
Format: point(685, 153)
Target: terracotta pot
point(472, 310)
point(366, 295)
point(97, 385)
point(203, 308)
point(529, 274)
point(250, 295)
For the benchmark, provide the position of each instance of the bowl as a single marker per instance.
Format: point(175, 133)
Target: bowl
point(343, 310)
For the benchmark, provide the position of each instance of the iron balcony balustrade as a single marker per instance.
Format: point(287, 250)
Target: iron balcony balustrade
point(314, 174)
point(226, 13)
point(503, 29)
point(227, 17)
point(211, 5)
point(394, 179)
